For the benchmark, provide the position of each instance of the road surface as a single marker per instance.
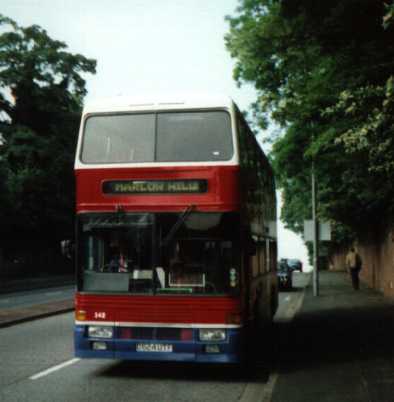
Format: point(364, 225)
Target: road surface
point(37, 364)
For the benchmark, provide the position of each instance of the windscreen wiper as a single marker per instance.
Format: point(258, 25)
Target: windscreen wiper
point(177, 225)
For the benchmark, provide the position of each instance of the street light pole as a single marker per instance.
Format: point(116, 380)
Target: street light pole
point(315, 236)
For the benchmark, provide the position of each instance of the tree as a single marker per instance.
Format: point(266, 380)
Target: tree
point(322, 71)
point(389, 16)
point(41, 93)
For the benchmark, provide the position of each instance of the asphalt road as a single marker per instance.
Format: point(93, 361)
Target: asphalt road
point(37, 364)
point(37, 296)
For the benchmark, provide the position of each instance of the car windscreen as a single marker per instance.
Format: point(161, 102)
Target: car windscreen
point(161, 137)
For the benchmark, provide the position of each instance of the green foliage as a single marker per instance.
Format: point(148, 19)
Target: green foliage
point(41, 93)
point(389, 16)
point(370, 109)
point(323, 73)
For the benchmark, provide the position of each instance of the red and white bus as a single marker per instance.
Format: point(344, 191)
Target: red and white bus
point(176, 231)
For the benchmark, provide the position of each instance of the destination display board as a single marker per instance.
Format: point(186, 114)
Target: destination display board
point(154, 186)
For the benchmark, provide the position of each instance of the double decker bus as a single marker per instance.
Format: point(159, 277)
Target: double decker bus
point(176, 231)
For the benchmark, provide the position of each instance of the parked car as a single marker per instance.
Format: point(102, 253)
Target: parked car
point(294, 264)
point(285, 275)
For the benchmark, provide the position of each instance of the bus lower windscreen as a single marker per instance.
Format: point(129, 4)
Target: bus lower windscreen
point(159, 253)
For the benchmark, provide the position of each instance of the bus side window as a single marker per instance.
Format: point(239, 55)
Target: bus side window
point(262, 253)
point(253, 255)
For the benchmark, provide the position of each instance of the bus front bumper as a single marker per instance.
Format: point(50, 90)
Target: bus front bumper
point(194, 350)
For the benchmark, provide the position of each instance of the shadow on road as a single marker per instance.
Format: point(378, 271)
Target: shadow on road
point(183, 371)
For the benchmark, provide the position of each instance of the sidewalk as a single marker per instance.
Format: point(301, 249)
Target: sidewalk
point(16, 285)
point(14, 316)
point(339, 347)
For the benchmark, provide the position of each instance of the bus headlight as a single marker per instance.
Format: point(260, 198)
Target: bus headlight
point(100, 332)
point(214, 335)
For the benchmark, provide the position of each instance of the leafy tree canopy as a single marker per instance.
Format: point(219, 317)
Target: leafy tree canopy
point(41, 93)
point(323, 71)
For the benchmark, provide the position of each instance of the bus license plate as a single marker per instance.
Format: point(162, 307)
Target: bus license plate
point(153, 347)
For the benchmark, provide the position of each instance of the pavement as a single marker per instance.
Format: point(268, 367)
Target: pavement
point(16, 289)
point(17, 285)
point(339, 347)
point(14, 316)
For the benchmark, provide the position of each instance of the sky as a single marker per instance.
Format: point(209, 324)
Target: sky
point(148, 46)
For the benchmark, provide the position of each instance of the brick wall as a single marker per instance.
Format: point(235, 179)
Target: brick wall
point(338, 260)
point(377, 253)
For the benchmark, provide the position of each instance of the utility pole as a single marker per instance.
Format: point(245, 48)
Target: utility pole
point(315, 236)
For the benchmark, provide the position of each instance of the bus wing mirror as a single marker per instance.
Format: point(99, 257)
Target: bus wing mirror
point(66, 247)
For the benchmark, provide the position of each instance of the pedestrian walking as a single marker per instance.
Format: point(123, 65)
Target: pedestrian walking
point(353, 266)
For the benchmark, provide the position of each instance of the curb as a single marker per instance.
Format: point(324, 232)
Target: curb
point(12, 317)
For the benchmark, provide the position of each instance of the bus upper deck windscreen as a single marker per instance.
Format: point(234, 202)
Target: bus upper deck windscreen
point(157, 137)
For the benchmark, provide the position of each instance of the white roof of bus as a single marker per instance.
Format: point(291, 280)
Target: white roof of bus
point(157, 102)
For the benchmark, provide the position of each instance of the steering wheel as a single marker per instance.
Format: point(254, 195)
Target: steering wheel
point(106, 268)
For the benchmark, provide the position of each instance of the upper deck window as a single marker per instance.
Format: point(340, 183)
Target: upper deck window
point(163, 137)
point(119, 138)
point(195, 136)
